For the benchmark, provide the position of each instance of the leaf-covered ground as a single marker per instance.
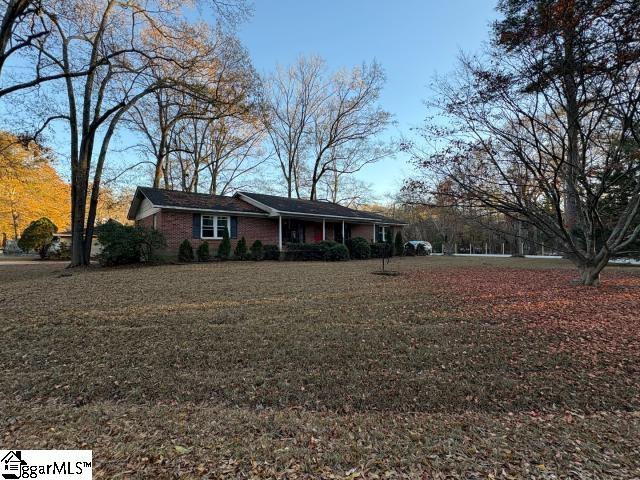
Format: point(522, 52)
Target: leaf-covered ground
point(460, 367)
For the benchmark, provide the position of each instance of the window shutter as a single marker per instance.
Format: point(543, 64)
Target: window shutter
point(378, 233)
point(234, 227)
point(197, 218)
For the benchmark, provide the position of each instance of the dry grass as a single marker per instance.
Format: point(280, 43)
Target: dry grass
point(272, 369)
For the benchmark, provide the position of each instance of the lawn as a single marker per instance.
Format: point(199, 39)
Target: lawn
point(458, 367)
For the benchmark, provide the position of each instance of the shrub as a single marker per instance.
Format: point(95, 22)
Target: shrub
point(359, 248)
point(399, 244)
point(271, 252)
point(337, 253)
point(38, 236)
point(185, 251)
point(380, 249)
point(241, 252)
point(305, 251)
point(329, 243)
point(421, 249)
point(149, 241)
point(224, 249)
point(257, 251)
point(203, 253)
point(126, 244)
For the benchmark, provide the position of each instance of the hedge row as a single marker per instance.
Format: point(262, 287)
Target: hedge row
point(257, 251)
point(325, 250)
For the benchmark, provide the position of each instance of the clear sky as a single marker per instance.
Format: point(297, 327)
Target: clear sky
point(412, 39)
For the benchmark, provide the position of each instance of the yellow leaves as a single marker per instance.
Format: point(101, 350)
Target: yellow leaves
point(30, 188)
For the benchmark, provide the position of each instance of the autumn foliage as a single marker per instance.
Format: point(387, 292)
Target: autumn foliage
point(30, 188)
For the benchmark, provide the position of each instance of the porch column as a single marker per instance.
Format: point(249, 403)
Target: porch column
point(324, 231)
point(373, 239)
point(280, 232)
point(342, 231)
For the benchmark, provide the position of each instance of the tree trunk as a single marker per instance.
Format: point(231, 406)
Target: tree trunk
point(519, 243)
point(590, 270)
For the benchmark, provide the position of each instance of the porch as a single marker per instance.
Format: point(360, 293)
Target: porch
point(295, 230)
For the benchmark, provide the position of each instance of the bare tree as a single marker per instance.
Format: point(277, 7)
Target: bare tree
point(293, 97)
point(547, 127)
point(231, 86)
point(345, 123)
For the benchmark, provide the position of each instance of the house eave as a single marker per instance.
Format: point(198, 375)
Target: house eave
point(212, 210)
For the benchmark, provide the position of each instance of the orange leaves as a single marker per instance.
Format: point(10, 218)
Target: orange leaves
point(586, 320)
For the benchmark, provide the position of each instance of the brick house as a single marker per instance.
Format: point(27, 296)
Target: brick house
point(273, 220)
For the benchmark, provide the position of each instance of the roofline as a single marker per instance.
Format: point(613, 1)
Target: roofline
point(276, 212)
point(256, 203)
point(212, 210)
point(317, 215)
point(269, 211)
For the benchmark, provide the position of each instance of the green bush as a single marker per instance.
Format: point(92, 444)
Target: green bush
point(257, 251)
point(325, 250)
point(38, 236)
point(126, 244)
point(203, 253)
point(399, 244)
point(185, 251)
point(337, 253)
point(271, 252)
point(359, 248)
point(224, 249)
point(421, 249)
point(241, 252)
point(305, 251)
point(380, 249)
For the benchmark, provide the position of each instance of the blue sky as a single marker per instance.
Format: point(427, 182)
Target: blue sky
point(412, 39)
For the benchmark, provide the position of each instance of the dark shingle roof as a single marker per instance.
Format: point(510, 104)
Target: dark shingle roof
point(187, 200)
point(314, 207)
point(200, 201)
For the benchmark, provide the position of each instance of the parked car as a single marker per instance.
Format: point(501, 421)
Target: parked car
point(418, 247)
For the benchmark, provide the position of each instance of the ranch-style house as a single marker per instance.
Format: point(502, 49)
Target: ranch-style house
point(273, 220)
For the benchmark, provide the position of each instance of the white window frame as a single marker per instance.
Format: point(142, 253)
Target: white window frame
point(215, 226)
point(383, 232)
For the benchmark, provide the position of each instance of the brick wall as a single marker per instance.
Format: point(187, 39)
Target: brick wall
point(362, 230)
point(177, 226)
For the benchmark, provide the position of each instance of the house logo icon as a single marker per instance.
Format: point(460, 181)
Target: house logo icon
point(11, 464)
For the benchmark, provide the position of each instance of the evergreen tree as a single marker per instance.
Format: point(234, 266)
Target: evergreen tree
point(224, 250)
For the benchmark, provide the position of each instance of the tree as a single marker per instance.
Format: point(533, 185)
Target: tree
point(30, 188)
point(179, 128)
point(293, 97)
point(131, 51)
point(344, 124)
point(540, 129)
point(323, 125)
point(38, 236)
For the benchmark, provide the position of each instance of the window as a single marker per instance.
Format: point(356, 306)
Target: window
point(293, 231)
point(382, 233)
point(214, 227)
point(155, 221)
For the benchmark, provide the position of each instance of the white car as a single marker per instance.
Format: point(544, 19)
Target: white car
point(419, 244)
